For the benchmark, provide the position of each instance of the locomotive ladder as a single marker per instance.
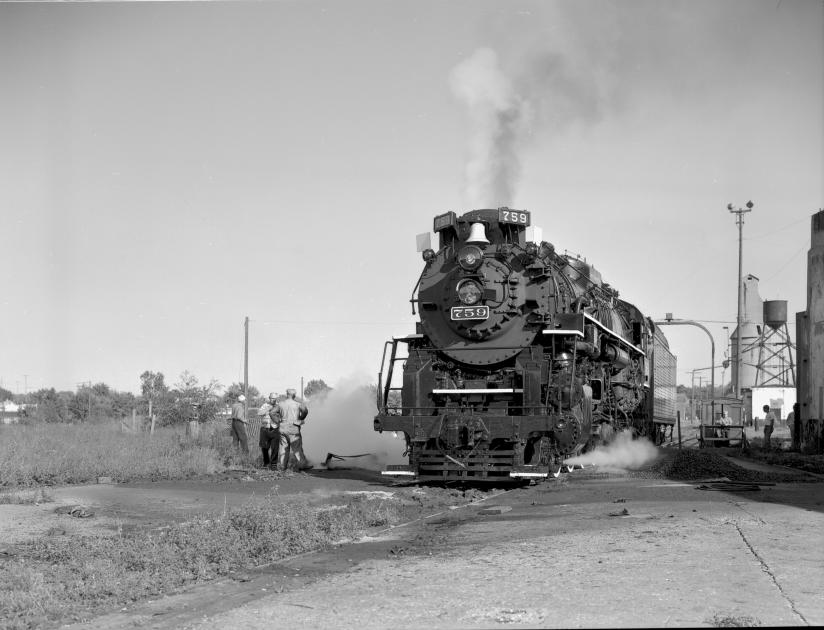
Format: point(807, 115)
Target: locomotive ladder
point(383, 392)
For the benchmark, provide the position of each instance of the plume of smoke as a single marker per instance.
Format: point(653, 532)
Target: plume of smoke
point(340, 422)
point(623, 453)
point(498, 117)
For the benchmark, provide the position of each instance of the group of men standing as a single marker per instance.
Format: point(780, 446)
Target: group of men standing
point(280, 424)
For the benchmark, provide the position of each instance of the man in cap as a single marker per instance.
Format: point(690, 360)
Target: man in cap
point(269, 434)
point(239, 424)
point(291, 415)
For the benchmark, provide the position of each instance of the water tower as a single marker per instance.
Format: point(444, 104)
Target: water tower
point(775, 366)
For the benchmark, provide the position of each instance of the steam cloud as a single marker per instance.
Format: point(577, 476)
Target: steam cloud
point(498, 117)
point(550, 91)
point(623, 452)
point(340, 422)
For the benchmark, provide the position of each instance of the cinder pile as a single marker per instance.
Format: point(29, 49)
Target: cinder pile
point(688, 465)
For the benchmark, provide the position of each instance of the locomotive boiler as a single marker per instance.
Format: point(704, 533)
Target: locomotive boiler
point(522, 358)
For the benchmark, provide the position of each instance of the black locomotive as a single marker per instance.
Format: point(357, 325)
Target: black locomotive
point(522, 358)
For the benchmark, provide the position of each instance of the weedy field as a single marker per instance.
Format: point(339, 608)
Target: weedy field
point(52, 454)
point(50, 580)
point(57, 580)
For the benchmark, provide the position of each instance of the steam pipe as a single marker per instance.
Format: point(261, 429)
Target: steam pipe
point(688, 322)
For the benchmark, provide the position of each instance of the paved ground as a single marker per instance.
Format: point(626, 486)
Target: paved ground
point(594, 550)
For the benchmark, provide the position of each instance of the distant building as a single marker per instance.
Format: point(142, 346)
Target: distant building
point(10, 412)
point(779, 399)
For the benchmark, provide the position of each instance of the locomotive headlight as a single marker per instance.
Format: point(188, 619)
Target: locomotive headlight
point(469, 292)
point(470, 257)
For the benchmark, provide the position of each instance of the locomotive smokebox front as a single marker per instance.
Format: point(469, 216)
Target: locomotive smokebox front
point(476, 294)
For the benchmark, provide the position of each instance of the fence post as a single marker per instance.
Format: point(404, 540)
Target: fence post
point(134, 420)
point(678, 418)
point(193, 429)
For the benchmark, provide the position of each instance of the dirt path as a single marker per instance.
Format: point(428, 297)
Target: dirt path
point(553, 555)
point(115, 508)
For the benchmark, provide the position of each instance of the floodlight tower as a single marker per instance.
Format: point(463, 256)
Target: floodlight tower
point(740, 212)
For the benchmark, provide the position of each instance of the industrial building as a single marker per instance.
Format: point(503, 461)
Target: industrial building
point(768, 374)
point(810, 345)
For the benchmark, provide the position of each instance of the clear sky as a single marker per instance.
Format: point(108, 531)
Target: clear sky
point(167, 169)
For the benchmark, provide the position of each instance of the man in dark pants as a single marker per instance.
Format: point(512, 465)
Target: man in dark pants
point(269, 434)
point(239, 424)
point(769, 423)
point(291, 415)
point(796, 428)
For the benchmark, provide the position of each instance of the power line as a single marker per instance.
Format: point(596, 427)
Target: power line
point(326, 323)
point(792, 258)
point(776, 231)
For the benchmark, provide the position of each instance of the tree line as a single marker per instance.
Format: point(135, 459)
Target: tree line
point(184, 401)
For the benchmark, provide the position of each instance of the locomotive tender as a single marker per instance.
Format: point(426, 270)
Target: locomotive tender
point(522, 358)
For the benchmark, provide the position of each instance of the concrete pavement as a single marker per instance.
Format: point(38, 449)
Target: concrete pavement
point(591, 551)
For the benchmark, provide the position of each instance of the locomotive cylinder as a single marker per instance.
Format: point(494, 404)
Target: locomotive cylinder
point(587, 348)
point(618, 357)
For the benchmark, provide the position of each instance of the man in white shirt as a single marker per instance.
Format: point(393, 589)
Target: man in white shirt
point(769, 422)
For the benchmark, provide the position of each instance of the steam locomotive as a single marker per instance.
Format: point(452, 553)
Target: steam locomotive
point(522, 358)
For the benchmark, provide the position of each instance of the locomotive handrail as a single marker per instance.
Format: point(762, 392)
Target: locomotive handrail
point(558, 331)
point(412, 298)
point(475, 348)
point(383, 390)
point(426, 412)
point(478, 391)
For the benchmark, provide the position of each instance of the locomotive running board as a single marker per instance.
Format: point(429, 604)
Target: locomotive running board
point(614, 335)
point(478, 391)
point(399, 470)
point(529, 472)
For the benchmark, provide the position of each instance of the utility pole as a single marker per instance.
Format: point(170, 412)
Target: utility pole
point(692, 397)
point(726, 361)
point(246, 363)
point(740, 212)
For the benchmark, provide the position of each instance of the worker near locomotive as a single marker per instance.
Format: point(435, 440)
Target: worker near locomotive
point(522, 358)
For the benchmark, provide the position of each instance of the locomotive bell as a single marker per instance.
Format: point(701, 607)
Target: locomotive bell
point(477, 234)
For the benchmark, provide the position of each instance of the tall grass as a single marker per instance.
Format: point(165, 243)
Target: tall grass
point(46, 454)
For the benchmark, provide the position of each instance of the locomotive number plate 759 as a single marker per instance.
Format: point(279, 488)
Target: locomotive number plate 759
point(469, 312)
point(521, 217)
